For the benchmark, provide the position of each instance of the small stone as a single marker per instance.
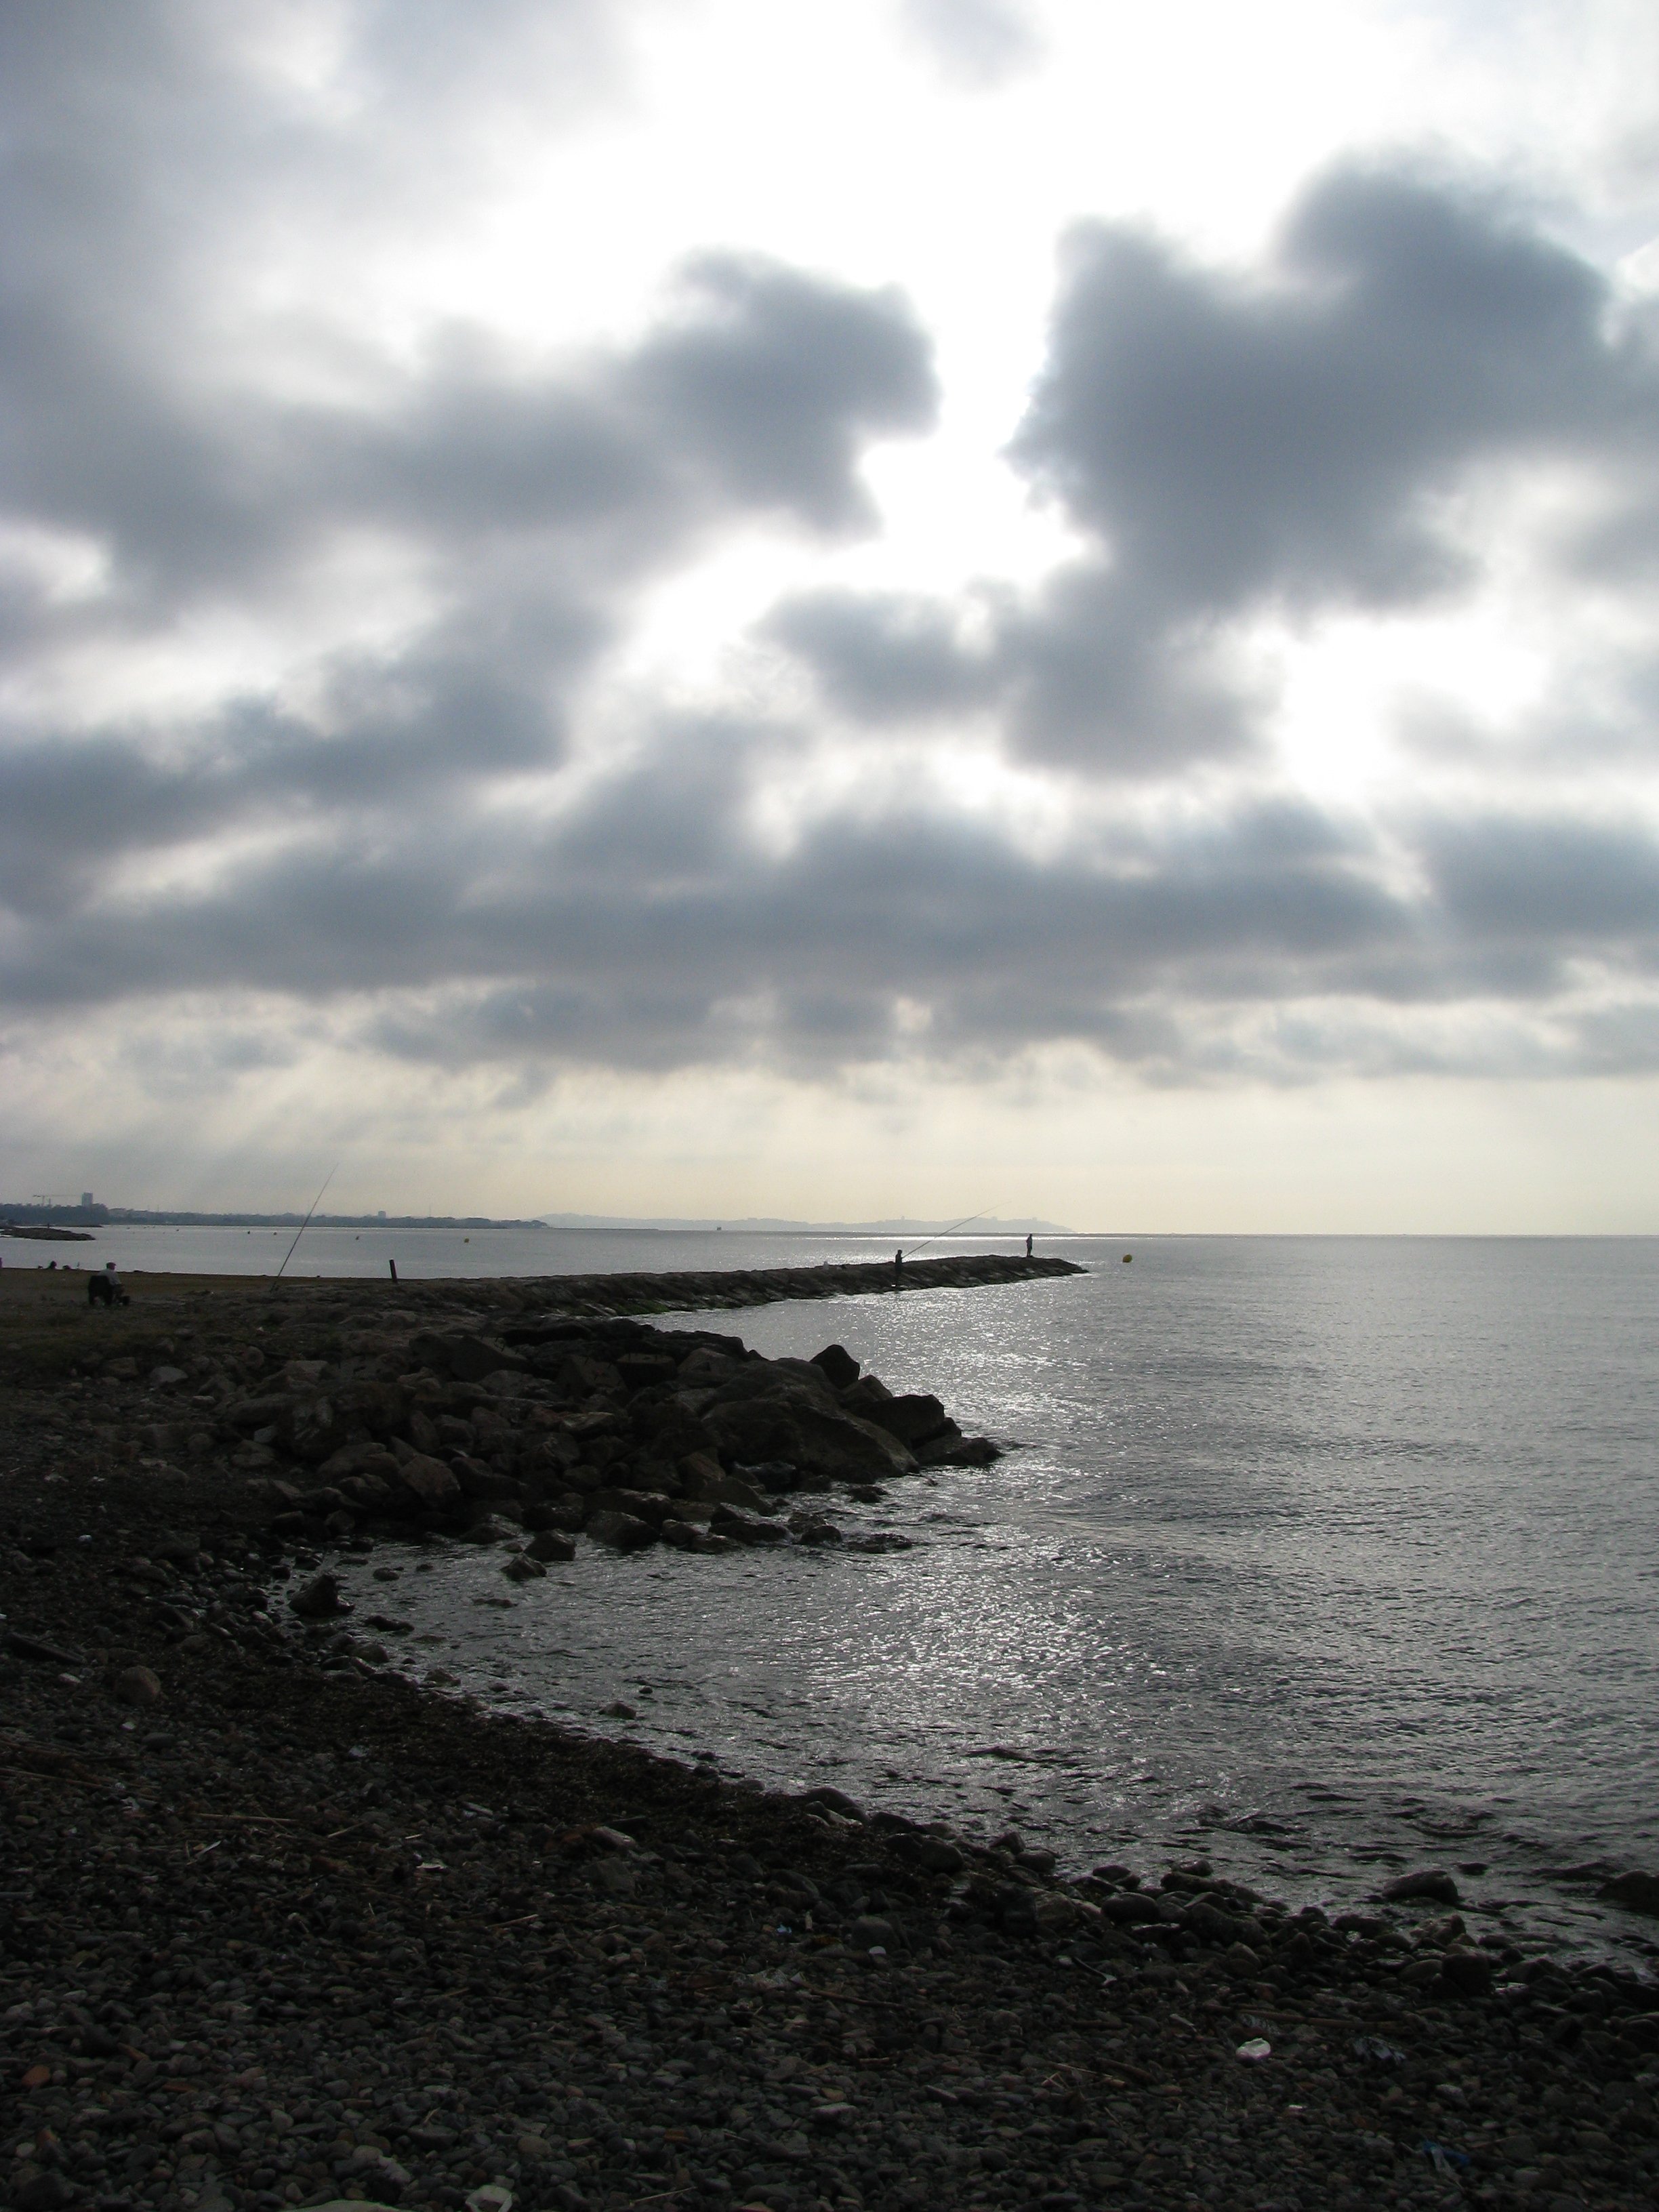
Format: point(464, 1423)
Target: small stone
point(138, 1686)
point(319, 1599)
point(44, 2192)
point(534, 2147)
point(618, 1709)
point(547, 1545)
point(522, 1568)
point(1468, 1972)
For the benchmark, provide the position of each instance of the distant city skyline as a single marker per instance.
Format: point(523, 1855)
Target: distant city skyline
point(728, 610)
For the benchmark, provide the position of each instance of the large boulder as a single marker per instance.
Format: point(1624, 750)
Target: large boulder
point(865, 1397)
point(248, 1414)
point(840, 1448)
point(465, 1359)
point(821, 1442)
point(381, 1409)
point(310, 1429)
point(643, 1505)
point(703, 1480)
point(840, 1368)
point(756, 1430)
point(423, 1485)
point(623, 1532)
point(912, 1419)
point(1636, 1891)
point(746, 1527)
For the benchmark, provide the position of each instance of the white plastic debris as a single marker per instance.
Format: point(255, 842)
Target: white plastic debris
point(1256, 2051)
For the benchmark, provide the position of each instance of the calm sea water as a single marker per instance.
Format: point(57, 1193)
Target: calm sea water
point(1325, 1556)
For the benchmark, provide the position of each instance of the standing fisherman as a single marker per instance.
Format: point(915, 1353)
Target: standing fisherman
point(898, 1268)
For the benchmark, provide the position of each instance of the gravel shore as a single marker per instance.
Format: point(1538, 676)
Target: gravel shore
point(280, 1927)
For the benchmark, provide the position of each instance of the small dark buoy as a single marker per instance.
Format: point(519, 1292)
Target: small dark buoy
point(1128, 1257)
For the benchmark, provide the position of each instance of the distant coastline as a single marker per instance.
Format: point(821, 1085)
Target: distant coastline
point(36, 1212)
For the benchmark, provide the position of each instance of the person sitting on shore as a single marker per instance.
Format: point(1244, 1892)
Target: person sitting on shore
point(105, 1290)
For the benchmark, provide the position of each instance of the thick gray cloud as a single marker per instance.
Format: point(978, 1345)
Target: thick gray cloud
point(1287, 435)
point(1285, 438)
point(409, 832)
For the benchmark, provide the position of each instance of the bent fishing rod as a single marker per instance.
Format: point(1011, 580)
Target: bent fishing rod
point(939, 1234)
point(306, 1223)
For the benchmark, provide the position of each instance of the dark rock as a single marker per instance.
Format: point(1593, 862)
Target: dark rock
point(832, 1799)
point(644, 1504)
point(137, 1686)
point(309, 1430)
point(42, 2192)
point(319, 1599)
point(971, 1451)
point(1636, 1891)
point(546, 1545)
point(1130, 1909)
point(522, 1568)
point(814, 1529)
point(1468, 1972)
point(912, 1419)
point(623, 1532)
point(838, 1365)
point(865, 1397)
point(425, 1485)
point(248, 1414)
point(639, 1369)
point(1435, 1884)
point(487, 1529)
point(466, 1359)
point(745, 1527)
point(704, 1479)
point(381, 1407)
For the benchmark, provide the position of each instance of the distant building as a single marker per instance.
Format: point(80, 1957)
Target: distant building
point(87, 1199)
point(380, 1216)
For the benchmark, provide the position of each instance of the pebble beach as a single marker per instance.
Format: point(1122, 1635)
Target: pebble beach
point(282, 1927)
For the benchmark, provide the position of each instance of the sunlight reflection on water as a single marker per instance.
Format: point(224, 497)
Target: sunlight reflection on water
point(1356, 1534)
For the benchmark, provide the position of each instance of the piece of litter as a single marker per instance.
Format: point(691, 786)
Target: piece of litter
point(1256, 2051)
point(493, 2196)
point(1444, 2160)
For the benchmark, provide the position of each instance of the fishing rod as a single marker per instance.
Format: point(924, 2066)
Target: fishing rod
point(939, 1236)
point(306, 1223)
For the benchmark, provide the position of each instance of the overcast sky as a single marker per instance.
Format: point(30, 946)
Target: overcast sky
point(698, 606)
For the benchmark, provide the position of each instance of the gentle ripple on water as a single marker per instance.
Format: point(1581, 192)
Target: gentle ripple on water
point(1358, 1535)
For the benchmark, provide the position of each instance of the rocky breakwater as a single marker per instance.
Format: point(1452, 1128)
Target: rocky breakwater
point(553, 1429)
point(703, 1290)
